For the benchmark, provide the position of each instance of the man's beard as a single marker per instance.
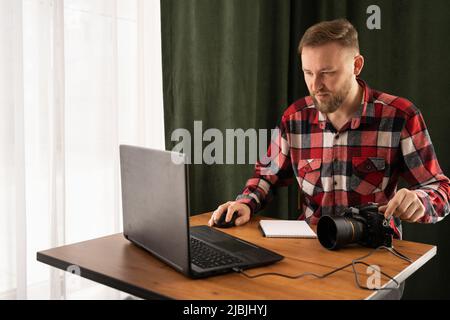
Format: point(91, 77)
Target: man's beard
point(334, 101)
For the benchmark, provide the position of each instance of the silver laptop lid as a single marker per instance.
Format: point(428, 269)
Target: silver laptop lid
point(155, 202)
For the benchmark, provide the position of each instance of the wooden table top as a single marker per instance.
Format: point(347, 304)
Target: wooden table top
point(116, 262)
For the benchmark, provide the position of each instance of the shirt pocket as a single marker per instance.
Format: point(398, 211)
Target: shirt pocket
point(309, 176)
point(367, 175)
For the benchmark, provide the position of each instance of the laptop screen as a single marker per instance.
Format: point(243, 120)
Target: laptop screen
point(155, 203)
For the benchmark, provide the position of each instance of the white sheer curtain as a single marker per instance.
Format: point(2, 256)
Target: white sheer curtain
point(77, 78)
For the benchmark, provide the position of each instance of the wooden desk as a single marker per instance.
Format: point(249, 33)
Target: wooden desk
point(115, 262)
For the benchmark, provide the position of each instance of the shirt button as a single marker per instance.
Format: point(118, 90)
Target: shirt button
point(335, 183)
point(336, 136)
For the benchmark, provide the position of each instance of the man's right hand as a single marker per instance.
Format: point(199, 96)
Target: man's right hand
point(228, 208)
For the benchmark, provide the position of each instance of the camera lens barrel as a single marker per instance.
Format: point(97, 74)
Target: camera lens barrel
point(336, 232)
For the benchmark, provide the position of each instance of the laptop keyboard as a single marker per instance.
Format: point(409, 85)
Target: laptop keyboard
point(206, 256)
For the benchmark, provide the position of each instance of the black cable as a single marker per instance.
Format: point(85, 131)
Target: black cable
point(353, 264)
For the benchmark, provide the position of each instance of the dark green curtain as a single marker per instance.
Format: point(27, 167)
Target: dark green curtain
point(233, 64)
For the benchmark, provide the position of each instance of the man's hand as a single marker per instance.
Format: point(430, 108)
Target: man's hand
point(228, 209)
point(405, 205)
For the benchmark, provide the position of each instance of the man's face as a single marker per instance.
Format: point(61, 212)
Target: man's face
point(329, 71)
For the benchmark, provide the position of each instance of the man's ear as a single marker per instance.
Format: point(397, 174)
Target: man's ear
point(358, 64)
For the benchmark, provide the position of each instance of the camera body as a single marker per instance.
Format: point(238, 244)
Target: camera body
point(364, 225)
point(377, 231)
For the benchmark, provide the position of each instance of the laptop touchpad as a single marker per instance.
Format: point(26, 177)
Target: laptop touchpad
point(233, 245)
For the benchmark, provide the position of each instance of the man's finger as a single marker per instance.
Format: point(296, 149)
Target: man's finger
point(217, 213)
point(391, 207)
point(241, 220)
point(406, 207)
point(230, 211)
point(405, 214)
point(211, 220)
point(394, 204)
point(418, 213)
point(213, 216)
point(413, 209)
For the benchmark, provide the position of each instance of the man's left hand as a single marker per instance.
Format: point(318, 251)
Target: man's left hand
point(405, 205)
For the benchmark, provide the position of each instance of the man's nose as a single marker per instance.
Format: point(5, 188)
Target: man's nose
point(316, 83)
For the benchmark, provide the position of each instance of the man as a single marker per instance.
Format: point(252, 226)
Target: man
point(347, 144)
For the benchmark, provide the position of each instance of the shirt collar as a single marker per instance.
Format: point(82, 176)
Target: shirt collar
point(364, 114)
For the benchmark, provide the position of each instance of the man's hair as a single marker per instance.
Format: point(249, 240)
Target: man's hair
point(339, 30)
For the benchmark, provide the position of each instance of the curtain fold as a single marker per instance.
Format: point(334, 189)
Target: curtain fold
point(19, 192)
point(57, 169)
point(75, 83)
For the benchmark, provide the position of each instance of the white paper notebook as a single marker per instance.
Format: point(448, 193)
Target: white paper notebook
point(286, 229)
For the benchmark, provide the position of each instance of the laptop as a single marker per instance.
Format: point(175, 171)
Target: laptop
point(155, 201)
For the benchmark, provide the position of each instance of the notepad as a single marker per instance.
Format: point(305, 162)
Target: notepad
point(286, 229)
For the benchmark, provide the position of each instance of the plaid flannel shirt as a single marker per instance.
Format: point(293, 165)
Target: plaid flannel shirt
point(361, 163)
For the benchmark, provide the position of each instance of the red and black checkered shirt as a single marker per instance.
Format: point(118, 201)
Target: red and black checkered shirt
point(361, 163)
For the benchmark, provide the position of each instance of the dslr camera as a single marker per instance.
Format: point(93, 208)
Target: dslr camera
point(363, 225)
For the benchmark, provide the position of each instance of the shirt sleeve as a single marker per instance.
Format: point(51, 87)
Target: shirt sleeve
point(272, 171)
point(422, 171)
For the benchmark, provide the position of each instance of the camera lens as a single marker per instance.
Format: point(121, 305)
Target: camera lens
point(336, 232)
